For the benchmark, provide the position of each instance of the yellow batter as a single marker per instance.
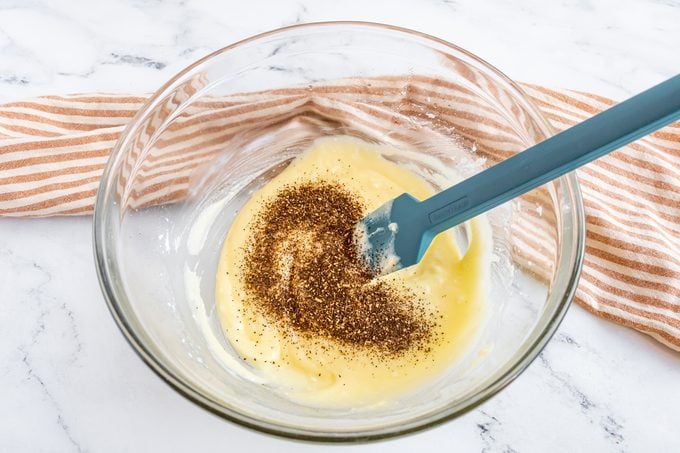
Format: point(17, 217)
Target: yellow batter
point(454, 289)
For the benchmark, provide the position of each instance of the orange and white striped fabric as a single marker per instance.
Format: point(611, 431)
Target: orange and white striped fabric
point(53, 150)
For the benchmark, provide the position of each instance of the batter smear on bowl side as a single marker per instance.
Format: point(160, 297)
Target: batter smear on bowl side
point(299, 305)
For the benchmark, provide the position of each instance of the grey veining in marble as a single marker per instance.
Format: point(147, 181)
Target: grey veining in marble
point(70, 383)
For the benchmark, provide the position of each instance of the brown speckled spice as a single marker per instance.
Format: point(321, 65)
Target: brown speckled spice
point(301, 270)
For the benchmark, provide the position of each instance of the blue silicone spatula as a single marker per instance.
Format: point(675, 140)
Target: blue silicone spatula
point(397, 234)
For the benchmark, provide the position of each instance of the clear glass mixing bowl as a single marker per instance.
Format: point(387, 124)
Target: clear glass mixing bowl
point(228, 123)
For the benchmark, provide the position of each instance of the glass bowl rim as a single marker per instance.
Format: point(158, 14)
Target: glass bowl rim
point(111, 293)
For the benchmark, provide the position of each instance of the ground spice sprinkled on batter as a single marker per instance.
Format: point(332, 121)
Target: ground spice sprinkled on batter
point(301, 270)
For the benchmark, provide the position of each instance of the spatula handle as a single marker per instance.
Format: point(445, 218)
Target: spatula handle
point(560, 154)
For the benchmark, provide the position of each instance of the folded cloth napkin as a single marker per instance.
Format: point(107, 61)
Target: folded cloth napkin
point(53, 150)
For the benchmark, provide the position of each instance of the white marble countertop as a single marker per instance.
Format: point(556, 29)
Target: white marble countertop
point(70, 382)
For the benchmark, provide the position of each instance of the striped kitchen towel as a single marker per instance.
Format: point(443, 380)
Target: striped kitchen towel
point(53, 150)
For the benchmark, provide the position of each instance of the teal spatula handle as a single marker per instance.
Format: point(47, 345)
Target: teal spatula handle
point(560, 154)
